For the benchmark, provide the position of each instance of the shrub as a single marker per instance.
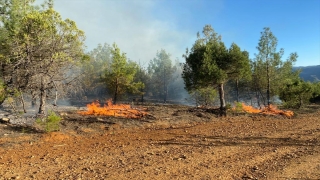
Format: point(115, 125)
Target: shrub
point(3, 93)
point(296, 94)
point(204, 96)
point(228, 106)
point(238, 107)
point(50, 123)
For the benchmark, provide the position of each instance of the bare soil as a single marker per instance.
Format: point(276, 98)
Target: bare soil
point(174, 142)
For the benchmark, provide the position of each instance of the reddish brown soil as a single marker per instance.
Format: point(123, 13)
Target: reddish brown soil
point(175, 144)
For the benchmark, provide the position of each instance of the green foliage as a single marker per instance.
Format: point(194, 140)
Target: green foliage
point(240, 72)
point(204, 96)
point(207, 63)
point(50, 123)
point(39, 49)
point(316, 93)
point(297, 93)
point(93, 69)
point(119, 78)
point(210, 63)
point(3, 93)
point(238, 107)
point(161, 72)
point(241, 64)
point(270, 72)
point(143, 77)
point(228, 106)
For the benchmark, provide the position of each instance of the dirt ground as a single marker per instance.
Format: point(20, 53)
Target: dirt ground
point(174, 142)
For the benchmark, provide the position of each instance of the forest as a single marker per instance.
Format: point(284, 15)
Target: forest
point(43, 60)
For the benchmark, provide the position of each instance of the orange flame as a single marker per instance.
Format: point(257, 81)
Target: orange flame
point(271, 110)
point(109, 109)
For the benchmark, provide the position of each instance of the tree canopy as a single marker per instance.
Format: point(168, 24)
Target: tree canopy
point(270, 72)
point(119, 78)
point(210, 63)
point(161, 70)
point(39, 50)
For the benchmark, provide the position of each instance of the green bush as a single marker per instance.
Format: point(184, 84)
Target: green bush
point(228, 106)
point(238, 107)
point(297, 93)
point(50, 123)
point(3, 93)
point(204, 96)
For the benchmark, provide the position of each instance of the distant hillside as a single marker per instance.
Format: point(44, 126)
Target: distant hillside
point(309, 73)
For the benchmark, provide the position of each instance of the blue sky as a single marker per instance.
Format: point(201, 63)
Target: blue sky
point(141, 27)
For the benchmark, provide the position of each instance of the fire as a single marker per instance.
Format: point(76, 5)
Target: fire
point(271, 110)
point(110, 109)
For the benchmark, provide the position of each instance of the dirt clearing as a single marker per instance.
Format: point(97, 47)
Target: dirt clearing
point(172, 143)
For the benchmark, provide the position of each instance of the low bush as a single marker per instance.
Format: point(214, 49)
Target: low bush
point(50, 123)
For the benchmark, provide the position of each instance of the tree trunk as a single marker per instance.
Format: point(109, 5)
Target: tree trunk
point(33, 102)
point(42, 101)
point(237, 89)
point(165, 96)
point(23, 104)
point(56, 98)
point(115, 97)
point(115, 93)
point(300, 102)
point(223, 110)
point(43, 96)
point(164, 90)
point(268, 77)
point(268, 86)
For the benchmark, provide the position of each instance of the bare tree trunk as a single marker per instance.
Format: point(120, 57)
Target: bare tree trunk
point(262, 97)
point(56, 94)
point(56, 98)
point(142, 98)
point(33, 99)
point(23, 104)
point(42, 101)
point(223, 110)
point(300, 101)
point(268, 78)
point(43, 97)
point(164, 89)
point(115, 93)
point(237, 89)
point(268, 87)
point(115, 97)
point(165, 95)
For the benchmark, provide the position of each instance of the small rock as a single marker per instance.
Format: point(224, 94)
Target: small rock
point(5, 120)
point(183, 156)
point(15, 177)
point(246, 176)
point(255, 168)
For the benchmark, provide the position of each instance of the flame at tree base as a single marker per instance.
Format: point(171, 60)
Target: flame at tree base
point(116, 110)
point(271, 110)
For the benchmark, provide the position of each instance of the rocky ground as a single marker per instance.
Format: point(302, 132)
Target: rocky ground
point(173, 142)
